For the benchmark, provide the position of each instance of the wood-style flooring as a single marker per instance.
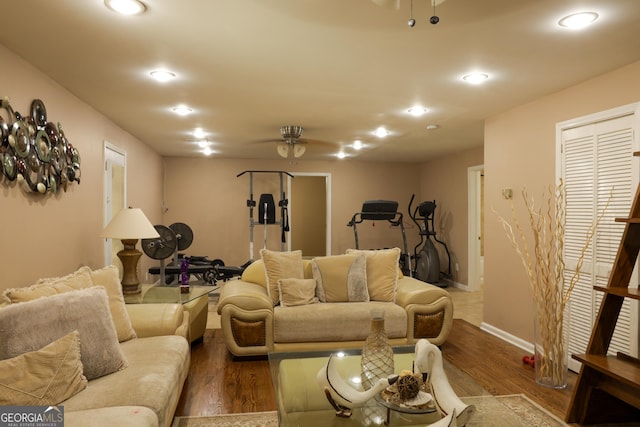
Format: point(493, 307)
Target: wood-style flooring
point(218, 384)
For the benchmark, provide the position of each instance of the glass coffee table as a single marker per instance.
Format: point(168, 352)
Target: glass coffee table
point(164, 294)
point(302, 402)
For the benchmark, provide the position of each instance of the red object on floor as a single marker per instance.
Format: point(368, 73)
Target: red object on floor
point(529, 361)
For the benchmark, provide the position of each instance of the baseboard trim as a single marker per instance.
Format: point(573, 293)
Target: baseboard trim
point(505, 336)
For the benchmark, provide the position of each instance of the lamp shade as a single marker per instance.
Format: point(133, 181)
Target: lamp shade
point(130, 223)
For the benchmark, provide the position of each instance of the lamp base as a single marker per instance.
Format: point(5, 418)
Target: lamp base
point(129, 257)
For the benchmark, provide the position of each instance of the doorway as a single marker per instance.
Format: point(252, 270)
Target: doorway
point(309, 211)
point(115, 196)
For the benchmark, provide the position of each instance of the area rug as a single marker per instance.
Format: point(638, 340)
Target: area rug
point(491, 411)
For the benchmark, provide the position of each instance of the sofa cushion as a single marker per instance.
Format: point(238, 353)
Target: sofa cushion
point(29, 326)
point(326, 322)
point(108, 277)
point(297, 292)
point(382, 272)
point(158, 368)
point(281, 265)
point(341, 278)
point(43, 377)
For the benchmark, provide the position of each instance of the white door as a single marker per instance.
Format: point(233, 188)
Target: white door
point(115, 196)
point(475, 184)
point(598, 169)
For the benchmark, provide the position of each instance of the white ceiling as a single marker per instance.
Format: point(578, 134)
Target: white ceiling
point(339, 68)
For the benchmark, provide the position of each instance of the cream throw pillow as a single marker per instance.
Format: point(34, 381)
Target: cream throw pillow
point(109, 278)
point(382, 272)
point(297, 292)
point(281, 265)
point(44, 377)
point(29, 326)
point(83, 278)
point(341, 278)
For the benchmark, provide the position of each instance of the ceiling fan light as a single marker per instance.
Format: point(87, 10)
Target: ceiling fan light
point(298, 150)
point(283, 150)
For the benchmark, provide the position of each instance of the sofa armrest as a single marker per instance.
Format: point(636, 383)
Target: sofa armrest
point(246, 295)
point(429, 310)
point(157, 319)
point(246, 317)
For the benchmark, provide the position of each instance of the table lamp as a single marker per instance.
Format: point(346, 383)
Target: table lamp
point(129, 225)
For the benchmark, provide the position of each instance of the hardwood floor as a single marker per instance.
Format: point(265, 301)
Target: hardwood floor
point(218, 384)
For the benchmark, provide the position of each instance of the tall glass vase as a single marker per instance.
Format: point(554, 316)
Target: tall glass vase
point(377, 354)
point(551, 342)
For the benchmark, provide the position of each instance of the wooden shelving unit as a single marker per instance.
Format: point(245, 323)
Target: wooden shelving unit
point(608, 387)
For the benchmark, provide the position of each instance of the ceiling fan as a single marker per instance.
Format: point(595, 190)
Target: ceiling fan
point(292, 146)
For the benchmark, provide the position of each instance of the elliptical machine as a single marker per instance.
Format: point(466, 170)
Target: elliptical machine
point(427, 259)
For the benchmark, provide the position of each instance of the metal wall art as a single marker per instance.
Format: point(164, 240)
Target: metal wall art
point(35, 152)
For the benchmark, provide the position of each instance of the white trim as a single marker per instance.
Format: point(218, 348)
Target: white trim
point(328, 204)
point(505, 336)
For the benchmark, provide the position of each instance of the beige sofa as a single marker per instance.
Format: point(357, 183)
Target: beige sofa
point(254, 323)
point(127, 367)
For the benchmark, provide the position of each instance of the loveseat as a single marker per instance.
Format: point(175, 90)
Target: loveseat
point(72, 342)
point(283, 302)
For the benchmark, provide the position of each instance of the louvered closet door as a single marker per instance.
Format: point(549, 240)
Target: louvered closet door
point(598, 164)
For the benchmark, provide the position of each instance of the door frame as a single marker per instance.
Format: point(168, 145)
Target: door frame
point(111, 153)
point(327, 177)
point(474, 193)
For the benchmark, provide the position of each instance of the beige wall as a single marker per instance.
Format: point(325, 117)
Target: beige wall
point(206, 195)
point(53, 235)
point(445, 181)
point(519, 152)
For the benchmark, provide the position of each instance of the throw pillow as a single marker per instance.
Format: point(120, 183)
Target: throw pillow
point(83, 278)
point(79, 279)
point(382, 272)
point(109, 278)
point(44, 377)
point(297, 292)
point(28, 326)
point(341, 278)
point(281, 265)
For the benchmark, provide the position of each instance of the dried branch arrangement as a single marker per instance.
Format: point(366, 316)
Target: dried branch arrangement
point(543, 261)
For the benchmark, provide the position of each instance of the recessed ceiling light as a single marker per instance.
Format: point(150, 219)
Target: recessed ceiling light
point(182, 110)
point(341, 155)
point(417, 111)
point(475, 78)
point(162, 75)
point(203, 143)
point(199, 133)
point(126, 7)
point(579, 20)
point(207, 151)
point(357, 145)
point(432, 126)
point(381, 132)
